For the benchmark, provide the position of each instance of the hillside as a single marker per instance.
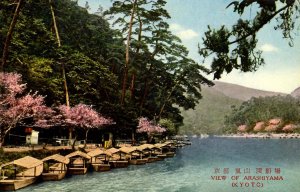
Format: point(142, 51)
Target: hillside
point(208, 116)
point(296, 92)
point(241, 92)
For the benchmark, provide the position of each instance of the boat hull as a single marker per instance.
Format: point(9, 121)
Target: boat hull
point(138, 161)
point(15, 184)
point(161, 156)
point(119, 164)
point(53, 176)
point(152, 159)
point(170, 154)
point(101, 167)
point(77, 171)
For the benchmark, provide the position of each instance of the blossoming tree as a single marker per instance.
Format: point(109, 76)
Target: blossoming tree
point(80, 116)
point(16, 106)
point(146, 126)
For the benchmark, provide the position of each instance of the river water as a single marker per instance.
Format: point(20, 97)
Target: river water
point(195, 168)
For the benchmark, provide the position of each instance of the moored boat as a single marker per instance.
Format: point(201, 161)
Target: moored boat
point(155, 153)
point(117, 158)
point(78, 163)
point(147, 151)
point(55, 167)
point(164, 150)
point(134, 155)
point(29, 170)
point(99, 160)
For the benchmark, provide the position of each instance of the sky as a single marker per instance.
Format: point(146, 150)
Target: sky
point(189, 21)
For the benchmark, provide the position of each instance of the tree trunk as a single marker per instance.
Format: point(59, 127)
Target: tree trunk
point(55, 24)
point(132, 86)
point(150, 137)
point(62, 64)
point(86, 135)
point(127, 58)
point(59, 45)
point(133, 136)
point(2, 138)
point(70, 135)
point(136, 54)
point(73, 145)
point(65, 85)
point(9, 35)
point(5, 131)
point(140, 34)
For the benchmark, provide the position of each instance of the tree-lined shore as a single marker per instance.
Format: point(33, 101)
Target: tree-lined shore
point(70, 57)
point(124, 64)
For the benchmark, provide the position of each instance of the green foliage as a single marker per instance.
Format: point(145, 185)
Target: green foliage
point(263, 109)
point(235, 48)
point(35, 55)
point(161, 76)
point(169, 125)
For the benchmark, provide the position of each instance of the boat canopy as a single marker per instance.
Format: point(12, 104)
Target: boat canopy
point(112, 151)
point(78, 153)
point(98, 152)
point(58, 158)
point(130, 150)
point(26, 162)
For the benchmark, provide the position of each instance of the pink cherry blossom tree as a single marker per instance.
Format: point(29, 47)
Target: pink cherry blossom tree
point(242, 128)
point(16, 106)
point(80, 116)
point(146, 126)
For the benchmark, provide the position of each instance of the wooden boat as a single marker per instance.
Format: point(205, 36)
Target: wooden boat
point(172, 145)
point(165, 150)
point(117, 158)
point(156, 154)
point(180, 145)
point(148, 150)
point(170, 154)
point(159, 151)
point(29, 169)
point(134, 155)
point(55, 167)
point(169, 148)
point(78, 163)
point(182, 141)
point(99, 160)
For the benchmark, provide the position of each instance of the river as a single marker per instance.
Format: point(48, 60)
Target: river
point(195, 168)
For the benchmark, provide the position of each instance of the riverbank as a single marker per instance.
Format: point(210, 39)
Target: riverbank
point(263, 136)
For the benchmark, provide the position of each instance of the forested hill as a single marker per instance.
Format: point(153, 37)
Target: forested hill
point(209, 114)
point(125, 66)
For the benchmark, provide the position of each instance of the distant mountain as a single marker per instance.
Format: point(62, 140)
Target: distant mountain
point(241, 92)
point(296, 92)
point(209, 114)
